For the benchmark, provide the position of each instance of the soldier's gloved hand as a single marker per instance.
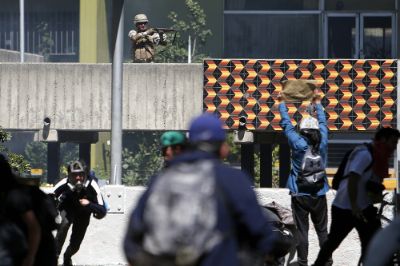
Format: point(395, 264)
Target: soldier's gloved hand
point(156, 38)
point(163, 37)
point(142, 34)
point(132, 34)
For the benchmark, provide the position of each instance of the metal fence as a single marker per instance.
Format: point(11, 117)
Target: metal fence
point(53, 34)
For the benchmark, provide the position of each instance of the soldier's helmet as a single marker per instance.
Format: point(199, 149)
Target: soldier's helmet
point(140, 18)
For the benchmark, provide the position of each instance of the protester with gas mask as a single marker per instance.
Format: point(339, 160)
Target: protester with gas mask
point(78, 197)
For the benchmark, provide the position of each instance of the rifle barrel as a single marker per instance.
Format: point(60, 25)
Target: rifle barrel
point(164, 29)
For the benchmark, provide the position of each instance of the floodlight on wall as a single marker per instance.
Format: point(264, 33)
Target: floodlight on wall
point(46, 134)
point(242, 135)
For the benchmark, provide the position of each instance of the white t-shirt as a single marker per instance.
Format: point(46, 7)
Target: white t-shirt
point(359, 159)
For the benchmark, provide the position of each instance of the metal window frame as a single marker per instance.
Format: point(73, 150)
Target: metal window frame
point(326, 25)
point(359, 29)
point(267, 12)
point(380, 14)
point(272, 12)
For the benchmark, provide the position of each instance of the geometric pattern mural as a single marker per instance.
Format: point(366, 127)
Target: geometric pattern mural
point(357, 95)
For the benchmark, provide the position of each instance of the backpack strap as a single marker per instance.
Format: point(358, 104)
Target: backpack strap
point(370, 149)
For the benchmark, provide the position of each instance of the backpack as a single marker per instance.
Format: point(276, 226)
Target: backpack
point(312, 176)
point(180, 214)
point(283, 228)
point(339, 175)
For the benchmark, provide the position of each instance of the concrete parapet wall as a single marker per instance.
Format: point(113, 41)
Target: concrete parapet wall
point(78, 96)
point(103, 242)
point(14, 56)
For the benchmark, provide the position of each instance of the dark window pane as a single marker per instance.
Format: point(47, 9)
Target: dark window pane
point(357, 5)
point(271, 4)
point(377, 37)
point(341, 37)
point(271, 36)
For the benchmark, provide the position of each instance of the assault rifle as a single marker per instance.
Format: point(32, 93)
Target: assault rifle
point(158, 30)
point(165, 30)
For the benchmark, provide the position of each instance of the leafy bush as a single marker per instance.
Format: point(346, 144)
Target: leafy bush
point(194, 25)
point(17, 161)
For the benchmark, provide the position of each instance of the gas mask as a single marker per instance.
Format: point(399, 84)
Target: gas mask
point(77, 175)
point(78, 187)
point(74, 184)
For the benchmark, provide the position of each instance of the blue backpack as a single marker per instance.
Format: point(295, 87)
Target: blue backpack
point(312, 176)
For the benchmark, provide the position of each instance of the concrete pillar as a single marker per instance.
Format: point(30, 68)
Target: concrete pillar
point(284, 164)
point(84, 153)
point(53, 162)
point(265, 165)
point(247, 159)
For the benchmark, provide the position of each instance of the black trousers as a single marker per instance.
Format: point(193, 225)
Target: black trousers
point(316, 207)
point(79, 222)
point(343, 222)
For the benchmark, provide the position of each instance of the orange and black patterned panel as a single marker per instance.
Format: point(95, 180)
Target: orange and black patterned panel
point(356, 94)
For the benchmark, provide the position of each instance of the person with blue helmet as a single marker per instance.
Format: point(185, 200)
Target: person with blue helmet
point(239, 217)
point(305, 202)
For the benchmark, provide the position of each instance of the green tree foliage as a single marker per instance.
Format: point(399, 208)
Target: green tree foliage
point(234, 156)
point(194, 25)
point(17, 161)
point(69, 152)
point(4, 136)
point(234, 159)
point(36, 154)
point(275, 166)
point(138, 167)
point(141, 157)
point(101, 173)
point(46, 41)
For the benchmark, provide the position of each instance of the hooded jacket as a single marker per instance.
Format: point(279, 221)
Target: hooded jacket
point(299, 144)
point(238, 214)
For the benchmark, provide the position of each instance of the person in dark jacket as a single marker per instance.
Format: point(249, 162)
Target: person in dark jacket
point(313, 133)
point(20, 207)
point(239, 217)
point(79, 196)
point(13, 244)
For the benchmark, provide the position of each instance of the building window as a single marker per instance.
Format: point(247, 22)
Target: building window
point(52, 34)
point(271, 36)
point(357, 5)
point(271, 4)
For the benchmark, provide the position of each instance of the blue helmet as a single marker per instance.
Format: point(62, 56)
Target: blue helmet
point(206, 128)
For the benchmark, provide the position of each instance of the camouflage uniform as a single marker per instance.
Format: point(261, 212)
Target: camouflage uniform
point(144, 41)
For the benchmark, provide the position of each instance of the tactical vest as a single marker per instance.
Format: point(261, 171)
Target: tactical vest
point(143, 50)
